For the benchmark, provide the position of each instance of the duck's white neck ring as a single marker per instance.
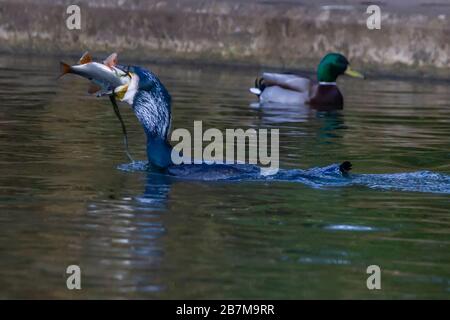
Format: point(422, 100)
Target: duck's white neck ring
point(323, 83)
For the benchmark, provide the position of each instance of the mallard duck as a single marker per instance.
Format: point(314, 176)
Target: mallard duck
point(294, 89)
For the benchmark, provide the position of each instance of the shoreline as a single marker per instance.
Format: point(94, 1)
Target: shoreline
point(233, 33)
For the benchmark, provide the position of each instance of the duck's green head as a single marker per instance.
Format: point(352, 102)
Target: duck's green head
point(332, 66)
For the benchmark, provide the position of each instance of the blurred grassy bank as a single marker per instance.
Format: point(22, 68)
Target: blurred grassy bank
point(414, 37)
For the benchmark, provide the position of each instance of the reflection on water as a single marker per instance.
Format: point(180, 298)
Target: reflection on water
point(64, 201)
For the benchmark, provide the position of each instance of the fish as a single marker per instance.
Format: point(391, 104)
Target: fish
point(105, 78)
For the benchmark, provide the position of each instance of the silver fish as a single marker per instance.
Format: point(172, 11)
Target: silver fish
point(105, 77)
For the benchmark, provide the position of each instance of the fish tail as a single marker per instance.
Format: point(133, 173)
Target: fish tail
point(64, 68)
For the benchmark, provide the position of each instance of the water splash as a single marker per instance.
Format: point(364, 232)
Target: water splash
point(133, 166)
point(318, 177)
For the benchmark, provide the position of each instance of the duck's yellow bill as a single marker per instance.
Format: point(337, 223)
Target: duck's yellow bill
point(352, 73)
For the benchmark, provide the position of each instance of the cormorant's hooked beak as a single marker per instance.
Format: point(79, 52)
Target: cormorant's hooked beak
point(120, 91)
point(352, 73)
point(125, 69)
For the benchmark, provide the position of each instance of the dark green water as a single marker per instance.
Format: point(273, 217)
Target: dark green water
point(63, 201)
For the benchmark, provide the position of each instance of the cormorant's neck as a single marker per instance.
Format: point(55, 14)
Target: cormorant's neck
point(159, 152)
point(151, 105)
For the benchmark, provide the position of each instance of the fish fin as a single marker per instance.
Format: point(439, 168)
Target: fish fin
point(111, 61)
point(93, 88)
point(64, 68)
point(85, 58)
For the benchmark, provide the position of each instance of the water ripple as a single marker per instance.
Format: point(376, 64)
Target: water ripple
point(317, 177)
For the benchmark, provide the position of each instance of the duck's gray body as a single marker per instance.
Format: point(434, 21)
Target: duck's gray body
point(283, 89)
point(278, 94)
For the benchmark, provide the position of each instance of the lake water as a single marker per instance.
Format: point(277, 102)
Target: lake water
point(64, 201)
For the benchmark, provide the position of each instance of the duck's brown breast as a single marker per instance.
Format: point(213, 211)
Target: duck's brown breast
point(326, 96)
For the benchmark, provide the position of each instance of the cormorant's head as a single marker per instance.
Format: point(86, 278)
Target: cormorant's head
point(332, 66)
point(127, 91)
point(141, 80)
